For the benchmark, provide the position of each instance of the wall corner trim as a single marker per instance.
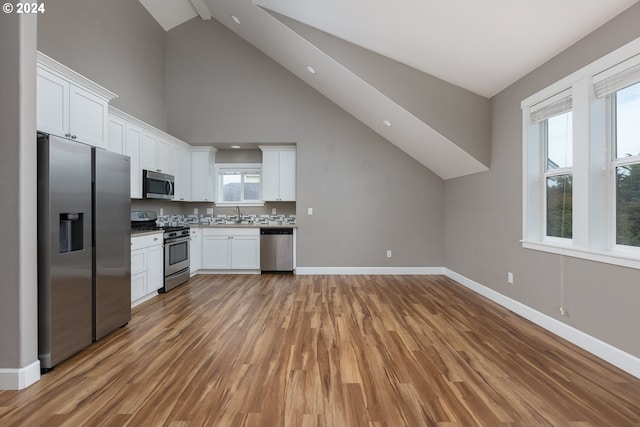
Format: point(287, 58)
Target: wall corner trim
point(17, 379)
point(619, 358)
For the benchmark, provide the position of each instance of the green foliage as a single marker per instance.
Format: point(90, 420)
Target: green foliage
point(628, 205)
point(560, 206)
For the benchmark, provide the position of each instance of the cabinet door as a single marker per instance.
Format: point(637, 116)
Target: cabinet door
point(133, 143)
point(181, 159)
point(52, 103)
point(195, 253)
point(215, 252)
point(138, 261)
point(270, 175)
point(155, 268)
point(138, 286)
point(201, 176)
point(148, 154)
point(165, 163)
point(287, 175)
point(88, 117)
point(245, 252)
point(116, 136)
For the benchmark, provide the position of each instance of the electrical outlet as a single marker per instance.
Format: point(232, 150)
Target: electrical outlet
point(388, 253)
point(273, 211)
point(195, 211)
point(563, 312)
point(161, 211)
point(209, 211)
point(310, 211)
point(510, 277)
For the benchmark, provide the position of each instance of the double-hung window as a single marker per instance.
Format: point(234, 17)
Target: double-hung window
point(624, 127)
point(581, 162)
point(555, 122)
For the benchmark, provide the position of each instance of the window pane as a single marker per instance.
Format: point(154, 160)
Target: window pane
point(628, 205)
point(252, 186)
point(559, 206)
point(560, 141)
point(231, 186)
point(628, 121)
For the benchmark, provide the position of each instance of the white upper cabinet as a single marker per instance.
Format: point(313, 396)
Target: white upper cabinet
point(116, 138)
point(149, 152)
point(278, 173)
point(156, 154)
point(133, 144)
point(70, 105)
point(181, 166)
point(202, 174)
point(151, 149)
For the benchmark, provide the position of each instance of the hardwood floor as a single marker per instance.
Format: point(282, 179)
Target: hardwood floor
point(289, 350)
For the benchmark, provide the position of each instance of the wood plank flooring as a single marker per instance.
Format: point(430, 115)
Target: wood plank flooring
point(285, 350)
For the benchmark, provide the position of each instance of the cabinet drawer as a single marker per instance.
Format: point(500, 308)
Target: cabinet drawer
point(140, 242)
point(226, 231)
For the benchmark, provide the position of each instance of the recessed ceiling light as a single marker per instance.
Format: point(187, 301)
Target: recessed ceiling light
point(235, 19)
point(235, 146)
point(386, 122)
point(311, 69)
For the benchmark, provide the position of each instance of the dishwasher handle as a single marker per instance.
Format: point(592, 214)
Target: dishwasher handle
point(275, 231)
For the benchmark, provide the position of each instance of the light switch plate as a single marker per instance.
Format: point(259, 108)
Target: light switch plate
point(310, 211)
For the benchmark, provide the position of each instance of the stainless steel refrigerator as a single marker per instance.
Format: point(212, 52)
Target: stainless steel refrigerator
point(84, 248)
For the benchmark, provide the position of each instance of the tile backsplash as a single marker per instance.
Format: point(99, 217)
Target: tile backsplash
point(187, 208)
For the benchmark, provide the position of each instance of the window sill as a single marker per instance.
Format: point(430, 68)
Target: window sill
point(234, 204)
point(630, 259)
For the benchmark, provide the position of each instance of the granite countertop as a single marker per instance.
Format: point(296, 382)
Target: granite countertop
point(244, 225)
point(135, 233)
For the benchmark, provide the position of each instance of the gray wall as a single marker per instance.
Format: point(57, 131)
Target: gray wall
point(483, 217)
point(115, 43)
point(367, 195)
point(18, 281)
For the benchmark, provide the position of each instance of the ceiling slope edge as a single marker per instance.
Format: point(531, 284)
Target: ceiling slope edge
point(440, 104)
point(346, 89)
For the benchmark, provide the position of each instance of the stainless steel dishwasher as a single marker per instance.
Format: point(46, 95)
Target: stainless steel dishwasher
point(276, 249)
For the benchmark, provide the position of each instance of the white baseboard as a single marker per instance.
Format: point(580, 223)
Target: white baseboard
point(619, 358)
point(17, 379)
point(370, 270)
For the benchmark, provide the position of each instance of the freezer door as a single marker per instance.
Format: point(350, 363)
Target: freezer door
point(64, 249)
point(112, 227)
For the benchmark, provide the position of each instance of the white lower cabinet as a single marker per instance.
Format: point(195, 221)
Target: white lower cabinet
point(147, 266)
point(231, 248)
point(195, 250)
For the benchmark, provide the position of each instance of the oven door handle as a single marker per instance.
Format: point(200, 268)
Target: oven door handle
point(176, 240)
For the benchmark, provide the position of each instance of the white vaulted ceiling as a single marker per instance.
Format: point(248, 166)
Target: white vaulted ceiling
point(482, 46)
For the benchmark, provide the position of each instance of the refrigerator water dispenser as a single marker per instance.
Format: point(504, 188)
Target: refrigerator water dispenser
point(71, 232)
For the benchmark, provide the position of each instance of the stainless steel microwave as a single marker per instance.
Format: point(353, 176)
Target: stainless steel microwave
point(156, 185)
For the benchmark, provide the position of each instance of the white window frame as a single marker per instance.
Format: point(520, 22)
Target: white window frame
point(221, 168)
point(593, 169)
point(614, 164)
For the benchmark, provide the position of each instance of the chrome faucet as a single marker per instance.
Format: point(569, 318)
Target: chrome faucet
point(237, 209)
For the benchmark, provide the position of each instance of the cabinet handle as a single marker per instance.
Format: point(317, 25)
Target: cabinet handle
point(73, 137)
point(68, 135)
point(155, 239)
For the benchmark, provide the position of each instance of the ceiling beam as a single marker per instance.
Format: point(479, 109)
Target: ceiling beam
point(201, 7)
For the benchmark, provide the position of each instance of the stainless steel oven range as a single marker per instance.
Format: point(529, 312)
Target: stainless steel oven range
point(176, 257)
point(176, 247)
